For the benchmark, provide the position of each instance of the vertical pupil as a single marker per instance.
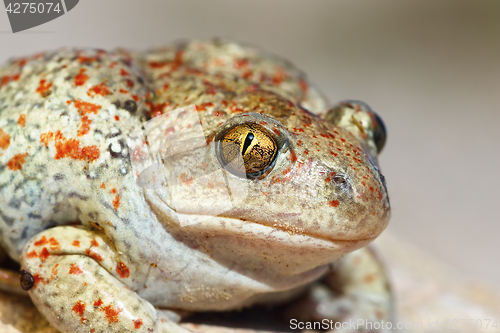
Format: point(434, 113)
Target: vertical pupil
point(246, 144)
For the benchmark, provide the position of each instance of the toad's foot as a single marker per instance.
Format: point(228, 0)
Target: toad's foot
point(80, 285)
point(353, 297)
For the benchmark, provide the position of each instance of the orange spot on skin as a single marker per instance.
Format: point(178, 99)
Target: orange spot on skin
point(123, 72)
point(175, 64)
point(135, 98)
point(93, 255)
point(278, 77)
point(138, 323)
point(123, 91)
point(41, 241)
point(239, 63)
point(44, 89)
point(85, 127)
point(4, 80)
point(328, 179)
point(293, 156)
point(122, 270)
point(186, 179)
point(369, 277)
point(83, 59)
point(275, 180)
point(99, 89)
point(81, 77)
point(130, 83)
point(156, 64)
point(157, 109)
point(334, 203)
point(71, 148)
point(117, 118)
point(22, 120)
point(32, 254)
point(79, 309)
point(76, 270)
point(37, 279)
point(54, 244)
point(203, 106)
point(44, 254)
point(93, 242)
point(116, 202)
point(76, 243)
point(4, 139)
point(16, 162)
point(98, 303)
point(85, 107)
point(111, 314)
point(54, 270)
point(103, 185)
point(303, 85)
point(46, 137)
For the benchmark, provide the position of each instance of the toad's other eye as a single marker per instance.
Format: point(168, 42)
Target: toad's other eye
point(379, 132)
point(247, 150)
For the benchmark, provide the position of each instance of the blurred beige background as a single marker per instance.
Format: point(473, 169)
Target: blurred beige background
point(430, 68)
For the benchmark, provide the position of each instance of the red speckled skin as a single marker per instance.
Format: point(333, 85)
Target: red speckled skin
point(65, 118)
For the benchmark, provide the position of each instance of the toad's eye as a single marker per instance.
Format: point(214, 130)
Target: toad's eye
point(379, 132)
point(247, 150)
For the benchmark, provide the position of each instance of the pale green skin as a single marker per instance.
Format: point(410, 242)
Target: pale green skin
point(280, 235)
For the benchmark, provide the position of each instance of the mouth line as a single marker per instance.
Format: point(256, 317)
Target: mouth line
point(290, 230)
point(283, 229)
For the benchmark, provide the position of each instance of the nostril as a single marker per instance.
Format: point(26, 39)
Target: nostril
point(339, 180)
point(343, 184)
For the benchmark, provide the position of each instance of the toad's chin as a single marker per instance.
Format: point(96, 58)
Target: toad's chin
point(252, 245)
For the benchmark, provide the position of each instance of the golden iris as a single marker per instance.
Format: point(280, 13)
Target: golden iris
point(248, 149)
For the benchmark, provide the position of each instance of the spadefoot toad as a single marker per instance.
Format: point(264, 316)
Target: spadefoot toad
point(202, 176)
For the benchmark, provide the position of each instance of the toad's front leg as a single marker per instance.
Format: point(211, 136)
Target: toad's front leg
point(354, 296)
point(81, 285)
